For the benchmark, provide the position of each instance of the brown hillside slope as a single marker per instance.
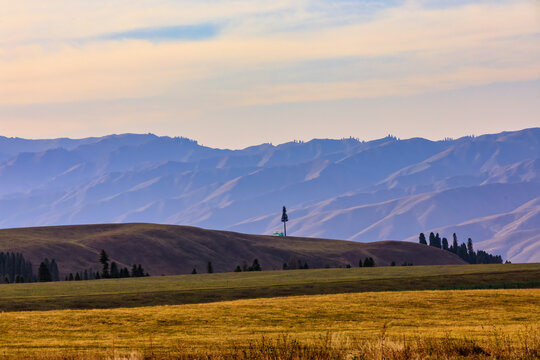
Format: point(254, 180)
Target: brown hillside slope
point(171, 249)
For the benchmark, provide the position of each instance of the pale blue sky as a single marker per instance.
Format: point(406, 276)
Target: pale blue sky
point(233, 73)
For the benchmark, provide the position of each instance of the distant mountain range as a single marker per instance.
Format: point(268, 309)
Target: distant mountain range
point(485, 187)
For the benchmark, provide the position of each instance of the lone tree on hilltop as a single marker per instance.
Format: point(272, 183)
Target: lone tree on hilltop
point(422, 239)
point(284, 219)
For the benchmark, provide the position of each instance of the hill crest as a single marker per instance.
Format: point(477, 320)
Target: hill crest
point(172, 249)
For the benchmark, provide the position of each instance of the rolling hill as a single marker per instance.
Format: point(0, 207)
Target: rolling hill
point(387, 189)
point(169, 249)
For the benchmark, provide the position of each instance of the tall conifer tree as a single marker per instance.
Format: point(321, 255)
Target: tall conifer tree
point(284, 219)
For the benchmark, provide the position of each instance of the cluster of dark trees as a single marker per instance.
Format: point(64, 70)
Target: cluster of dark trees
point(108, 271)
point(114, 272)
point(393, 263)
point(254, 267)
point(14, 268)
point(464, 251)
point(295, 264)
point(368, 262)
point(209, 268)
point(48, 271)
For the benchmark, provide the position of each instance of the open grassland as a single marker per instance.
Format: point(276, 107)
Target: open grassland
point(190, 289)
point(452, 324)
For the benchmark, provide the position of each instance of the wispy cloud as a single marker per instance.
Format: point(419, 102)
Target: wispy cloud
point(213, 55)
point(172, 33)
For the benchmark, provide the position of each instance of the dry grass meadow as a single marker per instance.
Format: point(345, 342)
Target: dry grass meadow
point(448, 324)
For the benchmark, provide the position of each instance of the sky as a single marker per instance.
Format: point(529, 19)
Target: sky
point(234, 73)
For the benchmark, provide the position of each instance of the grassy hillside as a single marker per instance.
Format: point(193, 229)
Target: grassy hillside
point(170, 249)
point(469, 324)
point(187, 289)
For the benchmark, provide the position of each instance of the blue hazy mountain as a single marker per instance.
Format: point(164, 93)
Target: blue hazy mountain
point(485, 187)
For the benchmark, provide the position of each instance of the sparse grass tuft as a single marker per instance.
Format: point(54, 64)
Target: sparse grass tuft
point(498, 345)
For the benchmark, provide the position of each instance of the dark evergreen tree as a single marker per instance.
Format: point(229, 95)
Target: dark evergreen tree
point(54, 270)
point(140, 270)
point(284, 219)
point(306, 266)
point(237, 269)
point(209, 267)
point(134, 271)
point(438, 242)
point(369, 262)
point(454, 247)
point(77, 276)
point(431, 239)
point(256, 266)
point(71, 278)
point(124, 272)
point(422, 239)
point(44, 274)
point(463, 253)
point(360, 263)
point(104, 260)
point(470, 251)
point(114, 270)
point(445, 243)
point(393, 263)
point(194, 271)
point(98, 276)
point(85, 275)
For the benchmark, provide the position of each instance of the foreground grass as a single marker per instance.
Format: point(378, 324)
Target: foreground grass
point(419, 322)
point(190, 289)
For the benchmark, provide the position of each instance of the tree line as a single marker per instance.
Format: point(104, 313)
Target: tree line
point(464, 251)
point(14, 268)
point(254, 267)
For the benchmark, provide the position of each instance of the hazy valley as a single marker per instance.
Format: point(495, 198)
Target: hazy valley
point(485, 187)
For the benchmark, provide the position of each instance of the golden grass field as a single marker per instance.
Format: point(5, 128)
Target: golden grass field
point(379, 320)
point(201, 288)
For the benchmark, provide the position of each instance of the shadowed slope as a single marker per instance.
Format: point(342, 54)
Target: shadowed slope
point(171, 249)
